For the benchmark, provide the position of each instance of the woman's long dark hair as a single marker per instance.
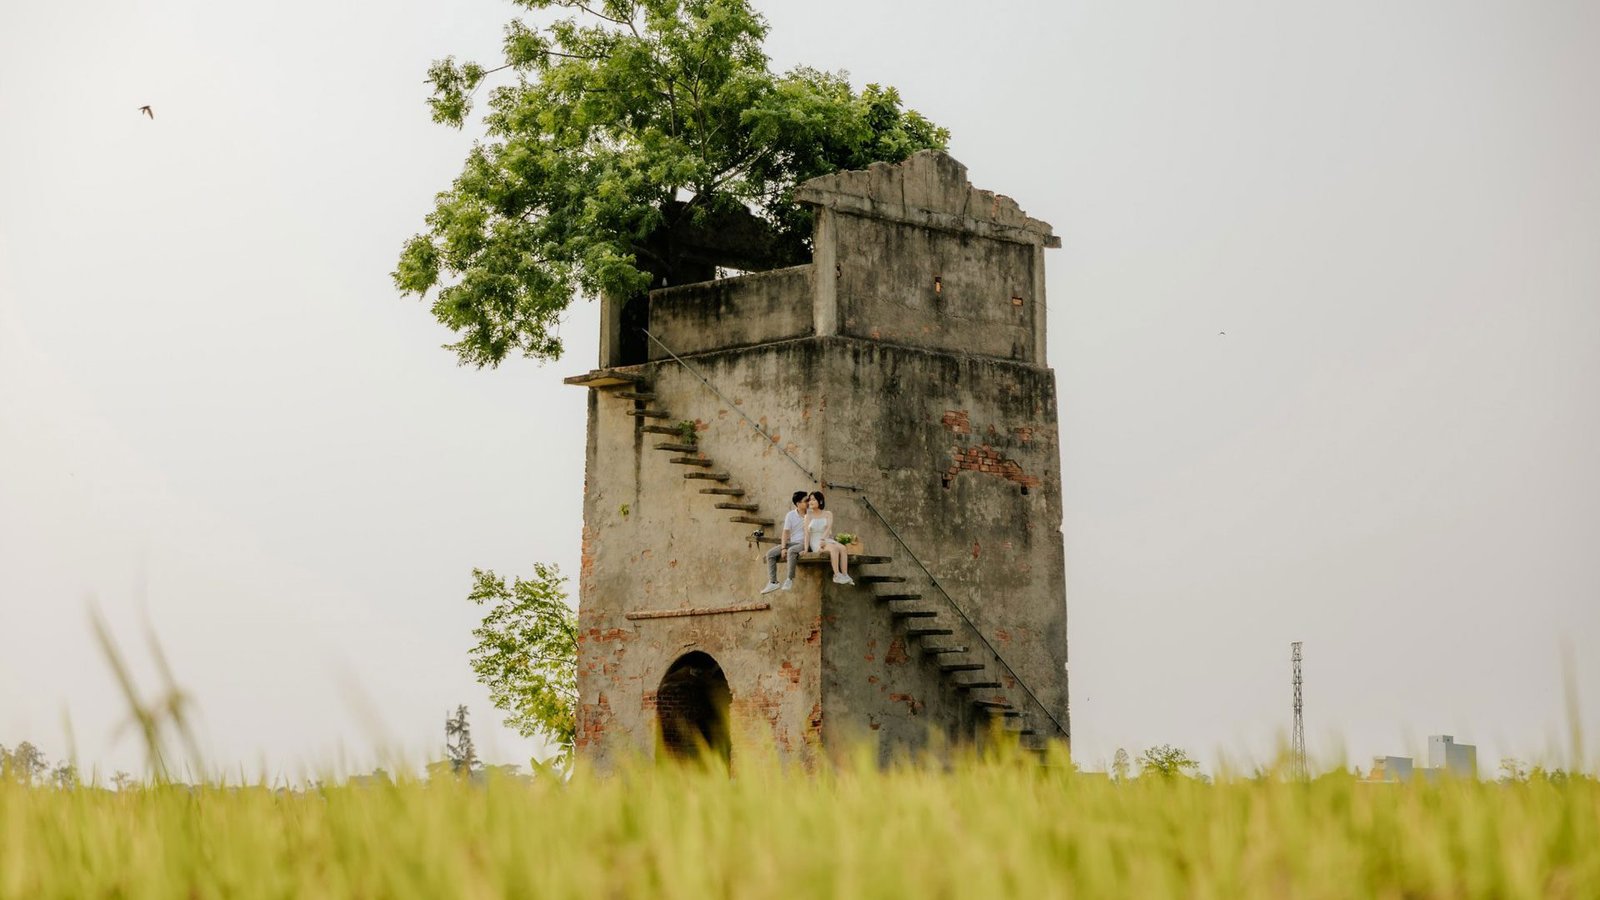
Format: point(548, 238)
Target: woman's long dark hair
point(822, 502)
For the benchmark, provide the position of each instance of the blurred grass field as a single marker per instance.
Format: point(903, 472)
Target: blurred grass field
point(993, 827)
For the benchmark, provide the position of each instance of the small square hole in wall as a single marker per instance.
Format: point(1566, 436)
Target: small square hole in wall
point(1024, 490)
point(944, 482)
point(938, 285)
point(1017, 302)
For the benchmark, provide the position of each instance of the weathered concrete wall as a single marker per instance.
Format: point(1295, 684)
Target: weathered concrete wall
point(907, 284)
point(961, 456)
point(958, 453)
point(653, 542)
point(732, 312)
point(887, 232)
point(877, 685)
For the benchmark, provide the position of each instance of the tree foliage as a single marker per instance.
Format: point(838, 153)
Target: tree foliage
point(458, 746)
point(28, 765)
point(1515, 771)
point(1119, 765)
point(1167, 761)
point(25, 763)
point(620, 123)
point(527, 652)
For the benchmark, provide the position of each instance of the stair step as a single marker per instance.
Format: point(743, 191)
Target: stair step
point(650, 414)
point(751, 520)
point(865, 560)
point(913, 613)
point(747, 507)
point(896, 598)
point(992, 704)
point(658, 429)
point(689, 461)
point(935, 651)
point(766, 539)
point(976, 685)
point(605, 379)
point(725, 491)
point(928, 632)
point(1011, 713)
point(882, 579)
point(961, 667)
point(634, 395)
point(709, 476)
point(678, 448)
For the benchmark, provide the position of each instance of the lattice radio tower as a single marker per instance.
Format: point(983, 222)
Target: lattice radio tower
point(1297, 750)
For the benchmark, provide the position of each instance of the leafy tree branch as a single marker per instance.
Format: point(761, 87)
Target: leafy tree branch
point(527, 652)
point(626, 122)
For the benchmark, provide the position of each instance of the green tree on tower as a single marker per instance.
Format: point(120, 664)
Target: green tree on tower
point(626, 134)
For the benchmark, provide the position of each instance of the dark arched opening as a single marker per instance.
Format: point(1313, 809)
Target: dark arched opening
point(692, 710)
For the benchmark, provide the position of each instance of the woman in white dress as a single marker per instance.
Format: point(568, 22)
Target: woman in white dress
point(819, 537)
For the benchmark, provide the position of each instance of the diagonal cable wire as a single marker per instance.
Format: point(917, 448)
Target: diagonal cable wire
point(731, 405)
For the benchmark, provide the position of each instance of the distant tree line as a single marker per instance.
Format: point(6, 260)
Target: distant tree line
point(27, 764)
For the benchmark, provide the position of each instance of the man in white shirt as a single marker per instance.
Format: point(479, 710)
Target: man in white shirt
point(790, 542)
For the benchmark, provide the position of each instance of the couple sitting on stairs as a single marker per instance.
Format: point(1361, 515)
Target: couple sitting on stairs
point(808, 527)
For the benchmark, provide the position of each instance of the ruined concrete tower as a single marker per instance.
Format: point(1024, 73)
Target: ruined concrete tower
point(903, 370)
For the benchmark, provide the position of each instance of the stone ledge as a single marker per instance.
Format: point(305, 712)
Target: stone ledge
point(605, 378)
point(696, 611)
point(810, 558)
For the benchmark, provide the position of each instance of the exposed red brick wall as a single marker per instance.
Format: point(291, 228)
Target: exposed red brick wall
point(956, 421)
point(987, 460)
point(592, 721)
point(911, 702)
point(586, 554)
point(896, 654)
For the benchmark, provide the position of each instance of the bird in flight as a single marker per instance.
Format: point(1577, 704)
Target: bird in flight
point(148, 111)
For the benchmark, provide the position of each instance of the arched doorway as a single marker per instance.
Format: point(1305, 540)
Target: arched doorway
point(692, 710)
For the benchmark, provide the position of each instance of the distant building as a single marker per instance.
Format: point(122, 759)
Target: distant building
point(1390, 768)
point(1444, 756)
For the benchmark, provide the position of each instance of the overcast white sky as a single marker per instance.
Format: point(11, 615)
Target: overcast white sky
point(217, 415)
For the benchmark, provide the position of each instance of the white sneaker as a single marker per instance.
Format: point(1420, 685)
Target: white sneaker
point(771, 586)
point(842, 579)
point(788, 584)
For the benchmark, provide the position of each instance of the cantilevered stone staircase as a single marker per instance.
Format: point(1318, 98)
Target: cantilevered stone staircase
point(956, 663)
